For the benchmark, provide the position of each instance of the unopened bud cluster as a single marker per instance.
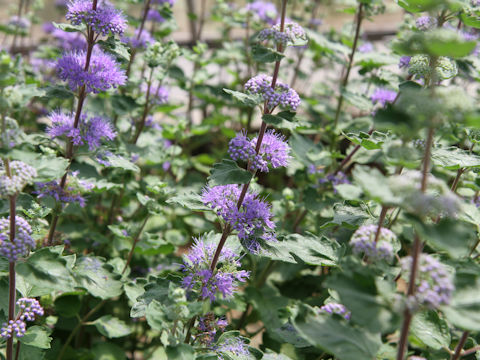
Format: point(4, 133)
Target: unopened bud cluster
point(282, 95)
point(363, 242)
point(22, 242)
point(20, 174)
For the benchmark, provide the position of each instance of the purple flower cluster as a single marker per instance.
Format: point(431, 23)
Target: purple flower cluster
point(21, 174)
point(363, 242)
point(334, 179)
point(29, 310)
point(335, 308)
point(404, 62)
point(155, 16)
point(19, 22)
point(23, 240)
point(233, 345)
point(252, 221)
point(366, 48)
point(274, 151)
point(103, 73)
point(434, 283)
point(90, 130)
point(208, 326)
point(158, 93)
point(425, 23)
point(139, 42)
point(162, 2)
point(104, 20)
point(68, 41)
point(263, 10)
point(291, 35)
point(208, 283)
point(15, 328)
point(72, 193)
point(282, 94)
point(383, 96)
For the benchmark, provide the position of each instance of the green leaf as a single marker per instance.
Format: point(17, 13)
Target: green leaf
point(228, 172)
point(111, 327)
point(282, 120)
point(310, 249)
point(97, 277)
point(359, 290)
point(418, 5)
point(375, 185)
point(358, 100)
point(454, 158)
point(37, 336)
point(347, 216)
point(367, 141)
point(337, 337)
point(49, 167)
point(120, 162)
point(262, 54)
point(429, 329)
point(190, 200)
point(116, 47)
point(249, 100)
point(58, 92)
point(455, 237)
point(68, 305)
point(108, 351)
point(155, 290)
point(47, 269)
point(464, 308)
point(69, 27)
point(180, 352)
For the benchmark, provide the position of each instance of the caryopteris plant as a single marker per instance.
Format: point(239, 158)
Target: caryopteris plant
point(240, 180)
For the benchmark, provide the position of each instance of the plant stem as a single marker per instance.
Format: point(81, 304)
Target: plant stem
point(263, 128)
point(135, 241)
point(140, 31)
point(457, 179)
point(350, 62)
point(191, 14)
point(350, 156)
point(416, 251)
point(381, 219)
point(146, 109)
point(19, 14)
point(460, 345)
point(79, 325)
point(12, 290)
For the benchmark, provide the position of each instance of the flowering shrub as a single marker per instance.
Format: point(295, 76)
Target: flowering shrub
point(283, 190)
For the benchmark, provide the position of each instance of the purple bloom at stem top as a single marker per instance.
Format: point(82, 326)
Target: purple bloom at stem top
point(22, 242)
point(404, 61)
point(274, 151)
point(66, 40)
point(335, 308)
point(208, 326)
point(103, 74)
point(291, 35)
point(205, 282)
point(233, 345)
point(434, 283)
point(253, 221)
point(158, 93)
point(425, 22)
point(263, 10)
point(155, 16)
point(162, 2)
point(72, 193)
point(383, 96)
point(90, 130)
point(282, 94)
point(104, 20)
point(136, 42)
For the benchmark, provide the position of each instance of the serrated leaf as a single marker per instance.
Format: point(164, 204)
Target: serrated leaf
point(263, 54)
point(454, 158)
point(228, 172)
point(249, 100)
point(37, 336)
point(111, 327)
point(431, 330)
